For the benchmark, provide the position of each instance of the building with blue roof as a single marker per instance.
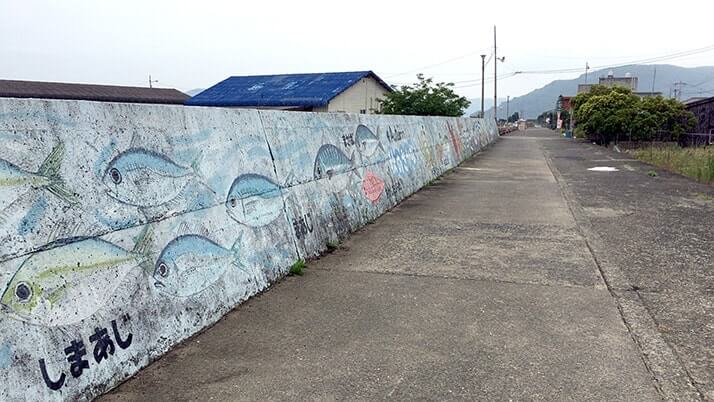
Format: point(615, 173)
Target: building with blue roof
point(350, 92)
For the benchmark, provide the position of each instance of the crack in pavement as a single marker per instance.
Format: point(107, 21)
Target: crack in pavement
point(671, 377)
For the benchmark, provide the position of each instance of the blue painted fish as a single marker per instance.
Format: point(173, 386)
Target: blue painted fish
point(191, 263)
point(70, 281)
point(144, 178)
point(367, 141)
point(254, 200)
point(15, 181)
point(332, 163)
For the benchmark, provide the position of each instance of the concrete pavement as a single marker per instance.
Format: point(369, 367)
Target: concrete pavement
point(482, 286)
point(653, 238)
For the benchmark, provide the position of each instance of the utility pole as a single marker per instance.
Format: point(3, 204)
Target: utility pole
point(495, 77)
point(678, 86)
point(654, 77)
point(508, 105)
point(151, 82)
point(587, 67)
point(483, 71)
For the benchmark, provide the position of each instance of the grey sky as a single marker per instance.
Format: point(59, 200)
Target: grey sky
point(192, 44)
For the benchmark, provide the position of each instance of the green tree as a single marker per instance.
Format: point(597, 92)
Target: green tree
point(425, 98)
point(606, 114)
point(514, 118)
point(669, 115)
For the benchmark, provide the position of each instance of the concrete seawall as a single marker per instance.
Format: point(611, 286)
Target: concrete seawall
point(126, 228)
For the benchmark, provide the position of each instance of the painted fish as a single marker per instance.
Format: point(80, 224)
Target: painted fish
point(367, 141)
point(14, 180)
point(69, 282)
point(191, 263)
point(373, 187)
point(455, 141)
point(254, 200)
point(332, 163)
point(144, 178)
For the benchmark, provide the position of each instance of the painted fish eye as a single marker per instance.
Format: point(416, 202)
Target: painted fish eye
point(163, 270)
point(234, 202)
point(115, 175)
point(23, 292)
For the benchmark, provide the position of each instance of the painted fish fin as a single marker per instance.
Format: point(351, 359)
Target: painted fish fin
point(289, 179)
point(50, 168)
point(52, 163)
point(135, 141)
point(142, 249)
point(203, 230)
point(235, 249)
point(58, 188)
point(183, 229)
point(196, 168)
point(236, 244)
point(196, 165)
point(144, 241)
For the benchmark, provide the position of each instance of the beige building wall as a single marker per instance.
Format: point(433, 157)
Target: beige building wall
point(362, 96)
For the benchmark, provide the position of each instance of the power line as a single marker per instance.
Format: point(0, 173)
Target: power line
point(488, 81)
point(641, 61)
point(436, 64)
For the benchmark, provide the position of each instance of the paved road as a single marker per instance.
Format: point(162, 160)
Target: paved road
point(500, 281)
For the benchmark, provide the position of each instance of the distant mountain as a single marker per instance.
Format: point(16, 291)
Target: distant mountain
point(699, 82)
point(195, 92)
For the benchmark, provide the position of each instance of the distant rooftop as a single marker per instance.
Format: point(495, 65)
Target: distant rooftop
point(694, 99)
point(698, 101)
point(102, 93)
point(284, 90)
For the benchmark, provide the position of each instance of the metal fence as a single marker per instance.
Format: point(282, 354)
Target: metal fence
point(696, 139)
point(684, 140)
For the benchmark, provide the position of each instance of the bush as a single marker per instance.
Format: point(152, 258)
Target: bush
point(605, 114)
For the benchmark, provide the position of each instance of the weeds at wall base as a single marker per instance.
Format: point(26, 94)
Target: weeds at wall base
point(298, 268)
point(332, 246)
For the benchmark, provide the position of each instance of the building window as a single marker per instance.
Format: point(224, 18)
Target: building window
point(363, 111)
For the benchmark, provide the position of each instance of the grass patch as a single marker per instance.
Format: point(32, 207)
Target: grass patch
point(651, 173)
point(696, 163)
point(298, 268)
point(332, 245)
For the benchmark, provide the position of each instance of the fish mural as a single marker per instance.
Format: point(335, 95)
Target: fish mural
point(332, 163)
point(367, 142)
point(15, 181)
point(191, 263)
point(373, 187)
point(254, 200)
point(143, 178)
point(71, 281)
point(455, 142)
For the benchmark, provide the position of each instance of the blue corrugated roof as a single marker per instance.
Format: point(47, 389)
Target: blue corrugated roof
point(306, 90)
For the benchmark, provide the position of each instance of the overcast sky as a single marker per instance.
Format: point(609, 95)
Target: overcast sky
point(194, 44)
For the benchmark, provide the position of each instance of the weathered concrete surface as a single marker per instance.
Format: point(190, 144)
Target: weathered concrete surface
point(127, 228)
point(479, 287)
point(654, 239)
